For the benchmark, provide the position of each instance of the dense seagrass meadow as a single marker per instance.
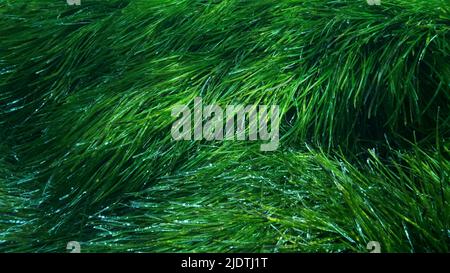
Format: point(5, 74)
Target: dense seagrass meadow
point(86, 152)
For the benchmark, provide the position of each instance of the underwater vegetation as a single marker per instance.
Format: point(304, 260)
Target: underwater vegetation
point(86, 152)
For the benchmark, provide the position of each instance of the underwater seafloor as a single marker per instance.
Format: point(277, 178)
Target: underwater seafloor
point(87, 155)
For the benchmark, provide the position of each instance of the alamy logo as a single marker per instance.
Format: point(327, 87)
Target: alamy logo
point(74, 2)
point(374, 2)
point(374, 247)
point(74, 247)
point(212, 123)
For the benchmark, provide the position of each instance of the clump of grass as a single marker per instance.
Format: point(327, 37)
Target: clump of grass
point(85, 99)
point(229, 206)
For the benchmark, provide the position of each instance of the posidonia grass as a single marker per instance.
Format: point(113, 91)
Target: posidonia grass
point(86, 94)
